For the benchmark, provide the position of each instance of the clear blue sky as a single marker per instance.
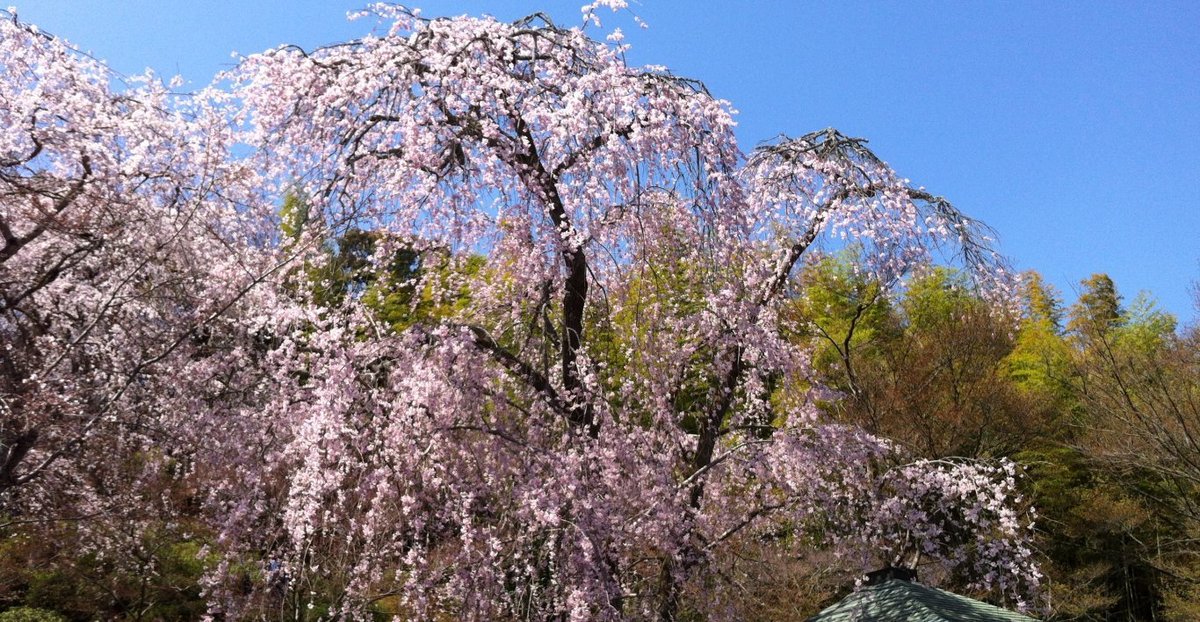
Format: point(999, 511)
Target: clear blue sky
point(1072, 128)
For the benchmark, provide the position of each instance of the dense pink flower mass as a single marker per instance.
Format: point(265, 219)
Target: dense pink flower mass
point(585, 393)
point(128, 236)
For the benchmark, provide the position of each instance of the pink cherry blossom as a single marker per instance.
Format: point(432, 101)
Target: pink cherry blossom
point(584, 425)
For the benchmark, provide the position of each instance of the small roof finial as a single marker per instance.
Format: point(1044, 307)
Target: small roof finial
point(890, 573)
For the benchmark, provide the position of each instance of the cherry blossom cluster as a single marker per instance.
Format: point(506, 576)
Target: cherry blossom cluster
point(588, 395)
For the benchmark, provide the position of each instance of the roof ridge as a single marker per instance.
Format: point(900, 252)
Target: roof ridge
point(899, 599)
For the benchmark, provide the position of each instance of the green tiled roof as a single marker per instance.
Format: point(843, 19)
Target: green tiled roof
point(901, 601)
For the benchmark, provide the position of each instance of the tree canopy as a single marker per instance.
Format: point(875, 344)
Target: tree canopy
point(474, 320)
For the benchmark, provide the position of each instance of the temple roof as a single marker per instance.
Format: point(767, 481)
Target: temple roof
point(897, 600)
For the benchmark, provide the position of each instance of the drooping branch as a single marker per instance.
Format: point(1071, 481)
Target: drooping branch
point(522, 370)
point(131, 377)
point(13, 243)
point(830, 178)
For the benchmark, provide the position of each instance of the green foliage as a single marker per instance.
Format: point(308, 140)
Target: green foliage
point(1041, 361)
point(941, 372)
point(667, 283)
point(445, 291)
point(941, 297)
point(1110, 481)
point(158, 579)
point(1098, 536)
point(927, 369)
point(386, 274)
point(399, 284)
point(1040, 364)
point(1040, 301)
point(293, 215)
point(349, 270)
point(1099, 307)
point(835, 294)
point(30, 614)
point(845, 318)
point(1144, 327)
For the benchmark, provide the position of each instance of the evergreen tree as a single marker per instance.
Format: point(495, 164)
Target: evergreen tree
point(1099, 306)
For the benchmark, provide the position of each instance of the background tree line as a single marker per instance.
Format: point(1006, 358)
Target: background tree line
point(1098, 401)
